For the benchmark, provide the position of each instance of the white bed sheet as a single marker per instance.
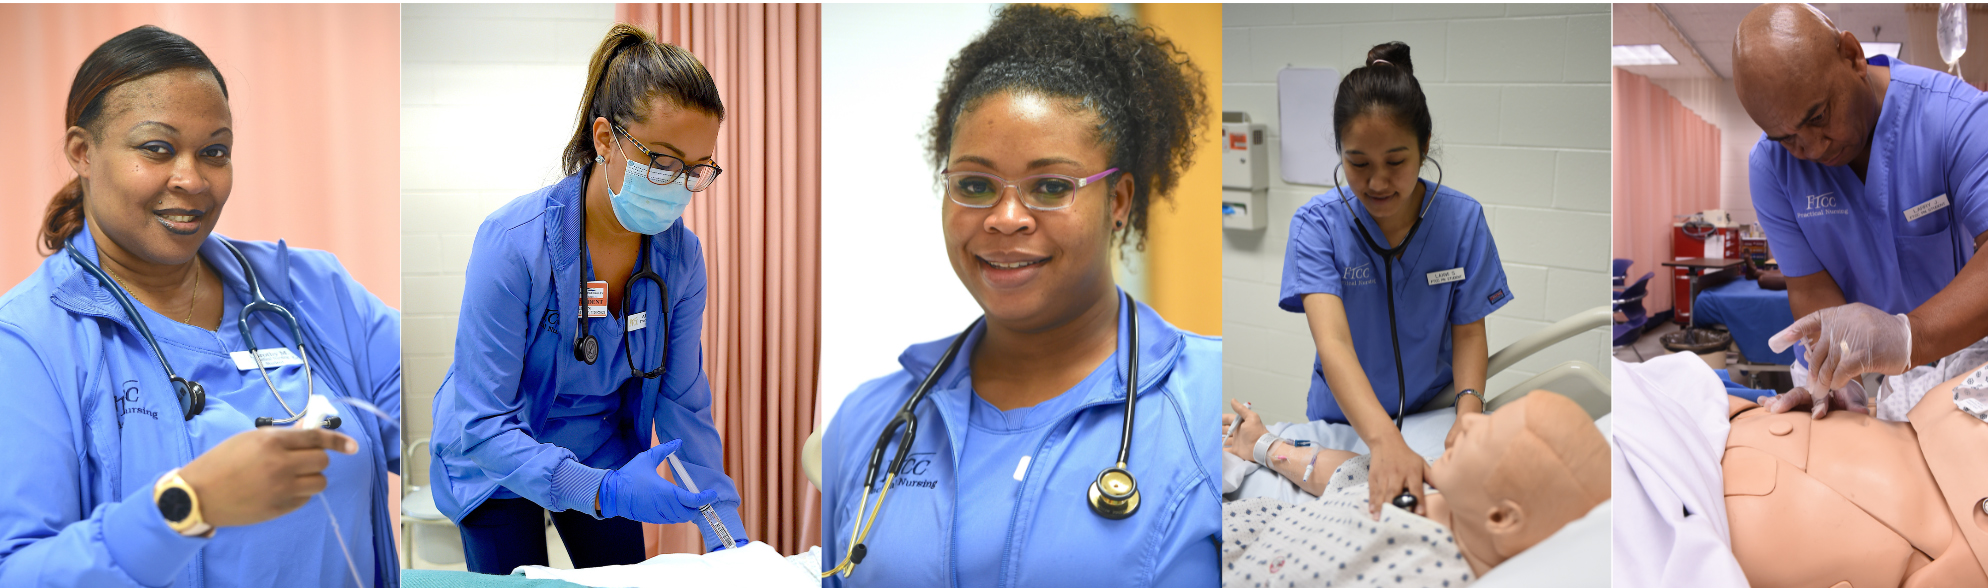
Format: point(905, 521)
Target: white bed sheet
point(1665, 464)
point(755, 564)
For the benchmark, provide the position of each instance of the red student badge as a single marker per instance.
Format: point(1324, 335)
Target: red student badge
point(596, 296)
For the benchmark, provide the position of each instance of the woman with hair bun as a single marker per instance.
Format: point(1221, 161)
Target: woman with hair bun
point(1067, 438)
point(1385, 350)
point(579, 335)
point(146, 360)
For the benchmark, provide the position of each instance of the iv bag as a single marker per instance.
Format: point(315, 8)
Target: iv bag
point(1952, 32)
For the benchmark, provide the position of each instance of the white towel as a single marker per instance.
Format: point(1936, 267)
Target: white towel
point(755, 564)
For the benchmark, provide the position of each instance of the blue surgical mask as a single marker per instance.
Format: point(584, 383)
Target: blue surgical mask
point(644, 207)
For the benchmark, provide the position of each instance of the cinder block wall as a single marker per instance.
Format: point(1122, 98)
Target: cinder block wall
point(1520, 99)
point(488, 99)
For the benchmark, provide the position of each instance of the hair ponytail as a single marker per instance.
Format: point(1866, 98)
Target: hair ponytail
point(629, 69)
point(1387, 84)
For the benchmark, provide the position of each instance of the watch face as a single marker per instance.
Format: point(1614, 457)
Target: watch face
point(175, 504)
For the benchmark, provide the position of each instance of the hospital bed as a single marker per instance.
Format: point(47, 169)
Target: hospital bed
point(1577, 380)
point(1578, 554)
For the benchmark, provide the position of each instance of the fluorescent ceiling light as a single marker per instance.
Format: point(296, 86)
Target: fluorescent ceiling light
point(1888, 49)
point(1621, 55)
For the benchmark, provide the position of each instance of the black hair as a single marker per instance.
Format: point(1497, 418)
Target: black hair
point(629, 69)
point(1387, 84)
point(131, 55)
point(1148, 95)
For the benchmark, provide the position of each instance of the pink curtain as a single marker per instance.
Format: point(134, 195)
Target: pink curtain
point(315, 94)
point(760, 225)
point(1666, 163)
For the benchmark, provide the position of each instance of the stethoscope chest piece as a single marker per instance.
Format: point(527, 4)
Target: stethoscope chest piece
point(587, 349)
point(192, 396)
point(1405, 501)
point(1115, 494)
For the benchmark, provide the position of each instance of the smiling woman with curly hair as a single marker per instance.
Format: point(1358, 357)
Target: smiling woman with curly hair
point(1022, 463)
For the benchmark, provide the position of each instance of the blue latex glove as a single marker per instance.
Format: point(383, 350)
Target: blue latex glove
point(637, 492)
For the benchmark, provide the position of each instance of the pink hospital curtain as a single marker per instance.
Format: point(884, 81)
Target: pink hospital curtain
point(1666, 163)
point(760, 225)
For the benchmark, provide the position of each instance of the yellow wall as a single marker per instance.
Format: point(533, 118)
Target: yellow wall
point(1182, 264)
point(1184, 241)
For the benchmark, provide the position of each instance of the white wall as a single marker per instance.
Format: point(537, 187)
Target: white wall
point(1716, 101)
point(886, 282)
point(1520, 98)
point(488, 96)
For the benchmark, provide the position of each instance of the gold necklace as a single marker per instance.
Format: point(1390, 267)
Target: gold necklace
point(190, 305)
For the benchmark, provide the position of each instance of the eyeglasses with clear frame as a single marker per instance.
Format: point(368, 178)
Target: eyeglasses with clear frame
point(665, 168)
point(1038, 192)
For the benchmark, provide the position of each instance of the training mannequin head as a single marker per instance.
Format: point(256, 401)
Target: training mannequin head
point(1518, 475)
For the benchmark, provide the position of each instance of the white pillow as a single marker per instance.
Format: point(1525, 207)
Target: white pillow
point(1576, 556)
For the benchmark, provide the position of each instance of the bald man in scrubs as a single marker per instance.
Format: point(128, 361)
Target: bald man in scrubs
point(1872, 184)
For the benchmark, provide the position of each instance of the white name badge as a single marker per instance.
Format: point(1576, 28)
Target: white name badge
point(1022, 469)
point(1927, 207)
point(1446, 276)
point(271, 358)
point(637, 321)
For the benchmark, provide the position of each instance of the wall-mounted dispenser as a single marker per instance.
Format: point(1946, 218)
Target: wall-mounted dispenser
point(1245, 173)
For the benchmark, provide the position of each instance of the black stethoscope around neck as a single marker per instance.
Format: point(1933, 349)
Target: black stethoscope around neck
point(192, 396)
point(588, 349)
point(1113, 495)
point(1406, 501)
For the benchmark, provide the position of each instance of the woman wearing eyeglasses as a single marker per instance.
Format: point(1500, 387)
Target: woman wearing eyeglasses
point(1054, 135)
point(578, 334)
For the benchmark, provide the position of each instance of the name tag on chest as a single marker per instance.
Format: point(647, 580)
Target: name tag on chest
point(596, 296)
point(271, 358)
point(1926, 208)
point(637, 321)
point(1446, 276)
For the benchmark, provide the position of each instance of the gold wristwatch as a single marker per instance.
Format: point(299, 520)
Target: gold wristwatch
point(180, 505)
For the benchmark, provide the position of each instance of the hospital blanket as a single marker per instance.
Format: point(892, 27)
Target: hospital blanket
point(1244, 479)
point(1751, 313)
point(755, 564)
point(1670, 511)
point(1334, 542)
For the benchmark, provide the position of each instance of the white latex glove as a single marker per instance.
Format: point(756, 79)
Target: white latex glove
point(1850, 398)
point(1847, 341)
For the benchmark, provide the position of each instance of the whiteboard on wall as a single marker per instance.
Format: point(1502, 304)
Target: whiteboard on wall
point(1304, 115)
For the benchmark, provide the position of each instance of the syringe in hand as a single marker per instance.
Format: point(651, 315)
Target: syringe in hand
point(710, 514)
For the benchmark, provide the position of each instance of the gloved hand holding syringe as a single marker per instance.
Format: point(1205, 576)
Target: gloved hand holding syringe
point(636, 491)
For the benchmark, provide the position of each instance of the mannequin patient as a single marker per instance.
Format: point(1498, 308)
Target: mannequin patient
point(1848, 501)
point(1509, 480)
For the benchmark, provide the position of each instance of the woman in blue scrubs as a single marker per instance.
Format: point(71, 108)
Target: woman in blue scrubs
point(1447, 278)
point(1054, 135)
point(546, 409)
point(112, 480)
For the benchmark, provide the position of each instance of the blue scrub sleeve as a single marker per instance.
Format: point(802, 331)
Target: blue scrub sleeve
point(1777, 214)
point(381, 361)
point(45, 537)
point(1310, 266)
point(683, 410)
point(1483, 290)
point(491, 335)
point(1968, 172)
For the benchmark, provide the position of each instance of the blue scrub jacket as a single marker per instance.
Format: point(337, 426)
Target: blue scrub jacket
point(78, 488)
point(1054, 539)
point(1931, 141)
point(524, 277)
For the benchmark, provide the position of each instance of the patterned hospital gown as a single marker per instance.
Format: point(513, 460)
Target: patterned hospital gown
point(1334, 542)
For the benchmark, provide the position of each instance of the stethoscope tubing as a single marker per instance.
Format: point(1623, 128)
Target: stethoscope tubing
point(1388, 256)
